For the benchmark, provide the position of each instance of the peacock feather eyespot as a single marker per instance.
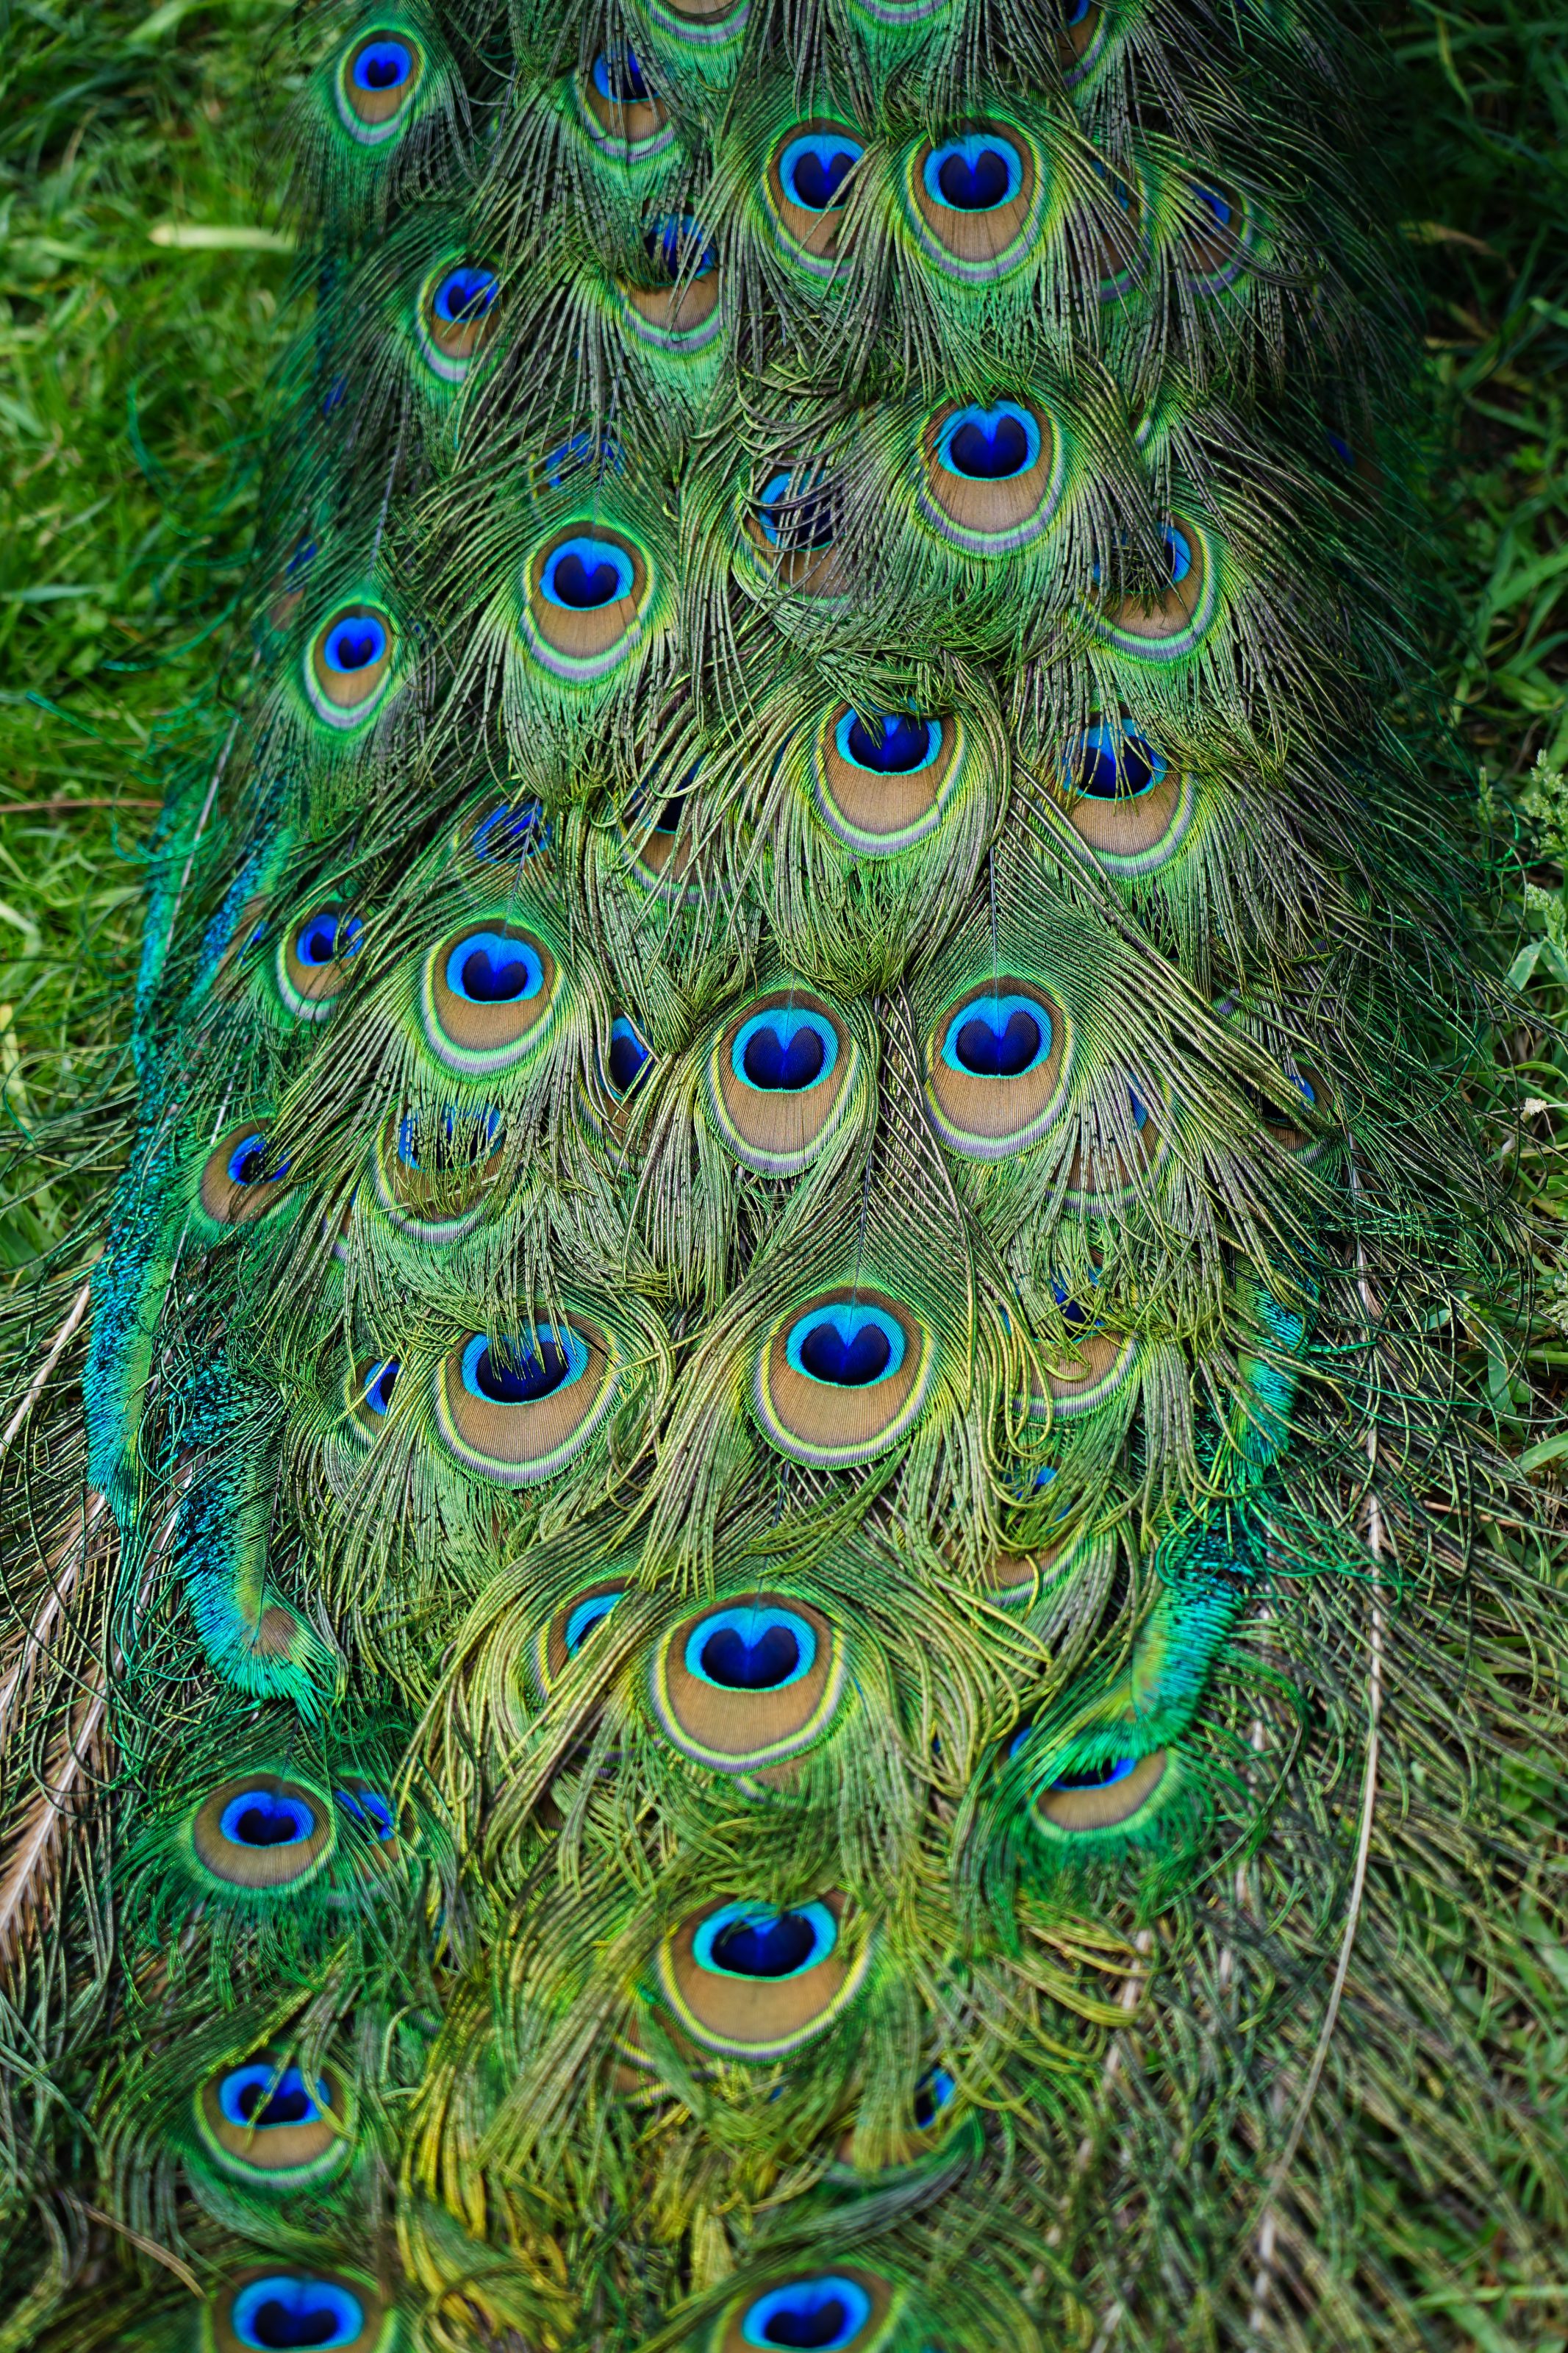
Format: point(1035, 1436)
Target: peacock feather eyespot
point(809, 178)
point(488, 998)
point(793, 524)
point(990, 479)
point(843, 1378)
point(704, 24)
point(1081, 38)
point(349, 664)
point(996, 1068)
point(1129, 804)
point(288, 594)
point(1119, 234)
point(312, 961)
point(1101, 1170)
point(517, 1409)
point(780, 1077)
point(377, 77)
point(586, 596)
point(741, 1686)
point(755, 1981)
point(434, 1169)
point(1162, 628)
point(569, 1631)
point(367, 1394)
point(1111, 1793)
point(245, 1176)
point(845, 2311)
point(261, 1834)
point(455, 316)
point(681, 314)
point(899, 15)
point(505, 833)
point(628, 1060)
point(621, 111)
point(267, 2122)
point(1098, 1364)
point(975, 201)
point(1217, 233)
point(263, 2308)
point(884, 779)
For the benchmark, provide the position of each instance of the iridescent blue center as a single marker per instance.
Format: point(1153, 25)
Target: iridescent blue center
point(357, 642)
point(628, 1056)
point(329, 938)
point(382, 65)
point(255, 1818)
point(813, 169)
point(620, 79)
point(752, 1648)
point(248, 1162)
point(1112, 763)
point(825, 2315)
point(846, 1347)
point(465, 295)
point(973, 175)
point(751, 1940)
point(267, 2098)
point(379, 1384)
point(489, 968)
point(1104, 1775)
point(990, 445)
point(888, 742)
point(286, 2311)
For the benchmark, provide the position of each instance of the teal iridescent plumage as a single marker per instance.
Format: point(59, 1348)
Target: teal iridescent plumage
point(769, 1366)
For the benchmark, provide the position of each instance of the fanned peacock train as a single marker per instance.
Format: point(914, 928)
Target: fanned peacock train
point(766, 1492)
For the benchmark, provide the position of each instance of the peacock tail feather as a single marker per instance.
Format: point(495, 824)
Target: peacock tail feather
point(747, 1640)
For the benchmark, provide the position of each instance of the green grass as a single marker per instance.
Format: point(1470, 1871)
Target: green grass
point(130, 373)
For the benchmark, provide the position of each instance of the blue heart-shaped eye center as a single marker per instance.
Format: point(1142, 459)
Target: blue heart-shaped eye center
point(354, 644)
point(258, 1819)
point(515, 1379)
point(464, 296)
point(285, 2314)
point(585, 587)
point(1178, 552)
point(740, 1665)
point(797, 518)
point(974, 184)
point(773, 1060)
point(817, 175)
point(629, 1058)
point(369, 1806)
point(992, 1052)
point(248, 1162)
point(1215, 205)
point(380, 1382)
point(291, 2103)
point(515, 830)
point(903, 744)
point(766, 1949)
point(1108, 767)
point(680, 248)
point(492, 978)
point(1097, 1776)
point(621, 79)
point(933, 2093)
point(849, 1363)
point(815, 2326)
point(318, 939)
point(383, 66)
point(992, 450)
